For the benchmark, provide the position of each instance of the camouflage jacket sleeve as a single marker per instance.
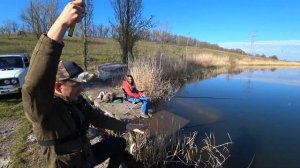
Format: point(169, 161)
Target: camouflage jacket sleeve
point(97, 119)
point(38, 89)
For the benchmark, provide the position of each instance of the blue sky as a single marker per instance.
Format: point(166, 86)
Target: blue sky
point(229, 23)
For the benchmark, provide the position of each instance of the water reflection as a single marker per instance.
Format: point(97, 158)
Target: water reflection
point(262, 117)
point(244, 150)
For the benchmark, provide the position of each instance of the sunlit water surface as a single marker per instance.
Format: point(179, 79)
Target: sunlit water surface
point(259, 109)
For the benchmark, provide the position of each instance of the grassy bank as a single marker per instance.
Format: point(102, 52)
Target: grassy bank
point(108, 50)
point(208, 59)
point(11, 106)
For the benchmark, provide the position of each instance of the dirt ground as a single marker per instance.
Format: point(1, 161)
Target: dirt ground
point(8, 126)
point(162, 121)
point(121, 110)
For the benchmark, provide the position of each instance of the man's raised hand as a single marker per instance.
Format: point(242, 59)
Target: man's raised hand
point(72, 13)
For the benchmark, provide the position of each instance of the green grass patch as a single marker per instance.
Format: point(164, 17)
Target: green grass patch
point(23, 153)
point(2, 138)
point(19, 144)
point(11, 107)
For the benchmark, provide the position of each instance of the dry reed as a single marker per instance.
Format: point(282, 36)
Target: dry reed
point(206, 60)
point(179, 150)
point(150, 74)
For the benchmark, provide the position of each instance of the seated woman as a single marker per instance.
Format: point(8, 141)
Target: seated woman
point(134, 95)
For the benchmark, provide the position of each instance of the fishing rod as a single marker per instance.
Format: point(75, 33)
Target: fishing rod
point(72, 26)
point(71, 29)
point(200, 125)
point(197, 97)
point(205, 97)
point(194, 97)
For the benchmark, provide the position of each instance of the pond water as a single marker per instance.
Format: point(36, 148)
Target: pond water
point(259, 109)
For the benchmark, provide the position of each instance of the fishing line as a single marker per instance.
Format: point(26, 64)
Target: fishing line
point(205, 97)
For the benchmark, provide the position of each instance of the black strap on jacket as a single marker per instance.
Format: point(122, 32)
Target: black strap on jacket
point(68, 138)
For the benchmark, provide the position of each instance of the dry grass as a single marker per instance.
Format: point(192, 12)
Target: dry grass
point(263, 61)
point(209, 59)
point(178, 150)
point(216, 155)
point(150, 75)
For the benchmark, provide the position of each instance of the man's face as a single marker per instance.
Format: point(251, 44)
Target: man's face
point(71, 90)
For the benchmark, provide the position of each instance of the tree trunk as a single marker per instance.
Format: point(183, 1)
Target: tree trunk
point(130, 26)
point(125, 52)
point(126, 44)
point(85, 59)
point(85, 47)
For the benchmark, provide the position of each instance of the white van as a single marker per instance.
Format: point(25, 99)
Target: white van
point(13, 69)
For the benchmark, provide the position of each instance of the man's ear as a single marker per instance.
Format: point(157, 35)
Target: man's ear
point(57, 87)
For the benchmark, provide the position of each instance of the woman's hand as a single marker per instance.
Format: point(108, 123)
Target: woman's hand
point(142, 93)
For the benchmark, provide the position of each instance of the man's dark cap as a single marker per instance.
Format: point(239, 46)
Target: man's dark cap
point(68, 70)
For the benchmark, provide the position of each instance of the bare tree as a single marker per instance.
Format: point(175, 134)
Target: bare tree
point(162, 35)
point(29, 17)
point(22, 30)
point(93, 31)
point(15, 27)
point(129, 25)
point(100, 28)
point(105, 32)
point(9, 27)
point(102, 31)
point(40, 15)
point(2, 31)
point(51, 11)
point(86, 29)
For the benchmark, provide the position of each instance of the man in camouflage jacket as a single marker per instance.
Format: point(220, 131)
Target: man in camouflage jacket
point(58, 113)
